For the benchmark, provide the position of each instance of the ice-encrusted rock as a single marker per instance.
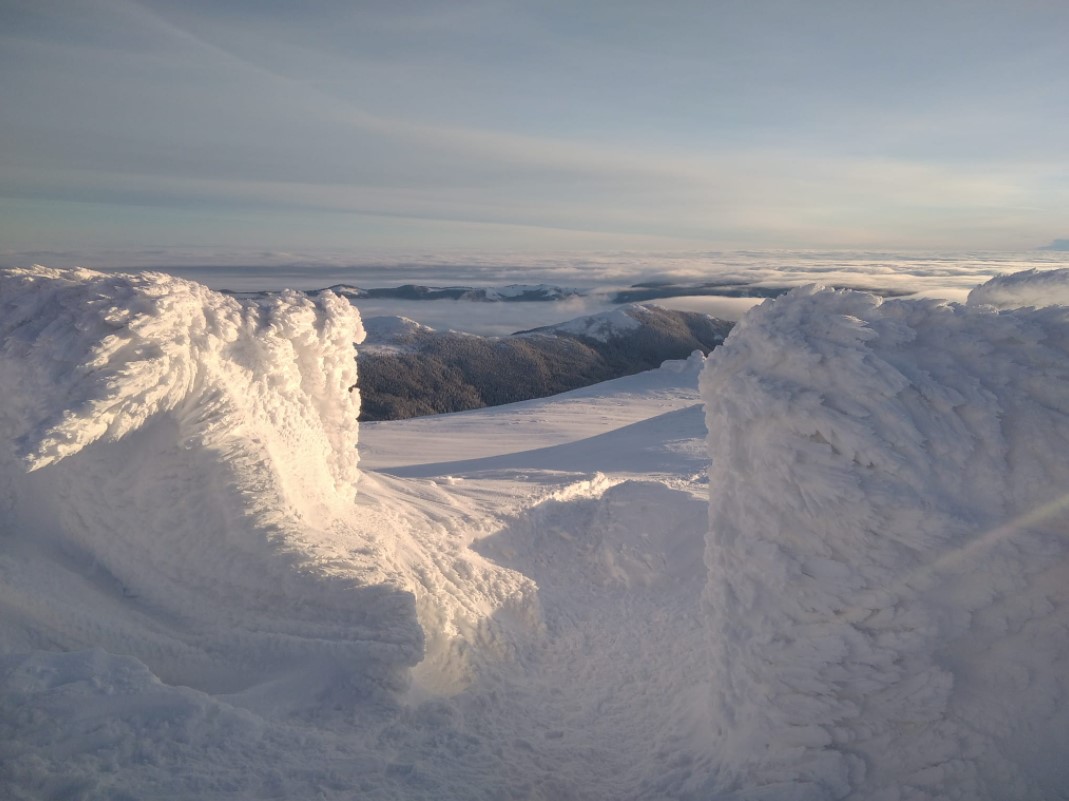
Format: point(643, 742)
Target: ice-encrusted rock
point(888, 588)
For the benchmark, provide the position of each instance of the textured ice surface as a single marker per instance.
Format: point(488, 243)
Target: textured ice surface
point(888, 575)
point(179, 477)
point(1027, 288)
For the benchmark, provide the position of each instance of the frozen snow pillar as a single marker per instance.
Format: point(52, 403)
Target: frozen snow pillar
point(197, 456)
point(888, 593)
point(92, 356)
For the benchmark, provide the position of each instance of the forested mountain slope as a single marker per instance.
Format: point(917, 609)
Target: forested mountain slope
point(409, 370)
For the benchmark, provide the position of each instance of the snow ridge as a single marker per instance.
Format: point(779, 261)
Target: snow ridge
point(888, 571)
point(179, 468)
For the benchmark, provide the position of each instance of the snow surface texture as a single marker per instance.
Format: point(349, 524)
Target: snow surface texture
point(888, 579)
point(179, 483)
point(567, 690)
point(196, 604)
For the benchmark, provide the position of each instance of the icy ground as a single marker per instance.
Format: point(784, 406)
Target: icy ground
point(201, 596)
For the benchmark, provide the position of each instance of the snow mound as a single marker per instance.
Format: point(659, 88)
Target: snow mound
point(177, 482)
point(1027, 288)
point(888, 581)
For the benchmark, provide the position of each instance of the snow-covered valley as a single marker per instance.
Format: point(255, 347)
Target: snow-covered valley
point(828, 563)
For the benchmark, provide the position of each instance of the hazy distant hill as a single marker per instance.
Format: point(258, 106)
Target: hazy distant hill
point(513, 293)
point(654, 290)
point(408, 370)
point(549, 293)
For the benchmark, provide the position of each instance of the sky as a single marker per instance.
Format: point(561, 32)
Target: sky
point(261, 130)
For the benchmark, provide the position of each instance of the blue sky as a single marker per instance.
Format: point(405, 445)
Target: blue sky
point(364, 127)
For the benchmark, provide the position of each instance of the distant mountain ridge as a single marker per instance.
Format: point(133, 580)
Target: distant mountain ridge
point(548, 293)
point(409, 370)
point(511, 293)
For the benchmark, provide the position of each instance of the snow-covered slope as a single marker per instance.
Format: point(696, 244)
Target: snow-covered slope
point(534, 424)
point(889, 582)
point(602, 327)
point(392, 334)
point(409, 370)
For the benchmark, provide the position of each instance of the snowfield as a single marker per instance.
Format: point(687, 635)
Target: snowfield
point(203, 597)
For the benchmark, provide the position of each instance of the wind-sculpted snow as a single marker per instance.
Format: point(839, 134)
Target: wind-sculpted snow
point(178, 481)
point(1027, 288)
point(96, 355)
point(195, 602)
point(888, 576)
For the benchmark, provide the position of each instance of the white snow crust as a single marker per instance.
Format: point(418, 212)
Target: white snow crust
point(888, 580)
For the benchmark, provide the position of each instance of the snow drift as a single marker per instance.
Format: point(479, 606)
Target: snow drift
point(888, 576)
point(177, 479)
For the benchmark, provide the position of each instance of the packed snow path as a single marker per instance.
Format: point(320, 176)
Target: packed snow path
point(515, 604)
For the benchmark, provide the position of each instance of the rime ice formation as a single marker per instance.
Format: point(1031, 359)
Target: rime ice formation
point(185, 465)
point(1027, 288)
point(888, 579)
